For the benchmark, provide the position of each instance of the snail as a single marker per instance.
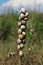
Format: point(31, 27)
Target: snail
point(21, 45)
point(20, 36)
point(22, 10)
point(23, 27)
point(19, 24)
point(18, 41)
point(20, 53)
point(19, 31)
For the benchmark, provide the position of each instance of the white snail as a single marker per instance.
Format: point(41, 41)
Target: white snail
point(23, 27)
point(23, 33)
point(21, 45)
point(20, 53)
point(19, 23)
point(26, 15)
point(29, 49)
point(18, 47)
point(22, 10)
point(18, 41)
point(21, 16)
point(23, 22)
point(19, 31)
point(25, 19)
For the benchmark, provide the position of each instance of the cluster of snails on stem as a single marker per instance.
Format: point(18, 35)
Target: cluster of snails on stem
point(23, 17)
